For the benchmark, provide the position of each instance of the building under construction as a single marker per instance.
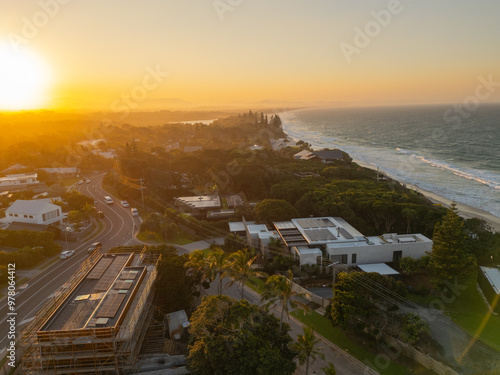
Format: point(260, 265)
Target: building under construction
point(96, 323)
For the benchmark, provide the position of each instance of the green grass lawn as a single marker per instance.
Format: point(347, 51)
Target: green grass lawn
point(324, 327)
point(470, 312)
point(181, 238)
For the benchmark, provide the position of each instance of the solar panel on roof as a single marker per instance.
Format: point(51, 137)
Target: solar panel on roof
point(110, 305)
point(123, 284)
point(345, 234)
point(111, 273)
point(328, 223)
point(128, 275)
point(99, 268)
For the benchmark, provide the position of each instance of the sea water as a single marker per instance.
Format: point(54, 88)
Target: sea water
point(448, 150)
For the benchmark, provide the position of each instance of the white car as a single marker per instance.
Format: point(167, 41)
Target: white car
point(134, 212)
point(87, 181)
point(124, 204)
point(80, 182)
point(66, 254)
point(108, 199)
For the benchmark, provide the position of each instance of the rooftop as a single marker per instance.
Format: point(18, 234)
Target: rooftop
point(239, 226)
point(102, 298)
point(33, 207)
point(493, 276)
point(329, 154)
point(201, 201)
point(380, 268)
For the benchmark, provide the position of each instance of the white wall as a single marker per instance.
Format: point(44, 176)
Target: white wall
point(366, 254)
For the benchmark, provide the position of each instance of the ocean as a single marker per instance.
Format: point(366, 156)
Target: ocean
point(452, 152)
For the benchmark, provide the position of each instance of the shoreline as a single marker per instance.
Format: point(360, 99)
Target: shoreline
point(464, 210)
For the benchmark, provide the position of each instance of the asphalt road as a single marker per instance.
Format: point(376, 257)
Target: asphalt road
point(119, 226)
point(344, 363)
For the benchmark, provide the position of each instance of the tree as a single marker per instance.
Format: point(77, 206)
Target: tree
point(364, 301)
point(197, 266)
point(414, 328)
point(234, 337)
point(449, 259)
point(408, 265)
point(270, 210)
point(306, 347)
point(330, 369)
point(278, 290)
point(216, 264)
point(240, 268)
point(411, 216)
point(483, 242)
point(175, 288)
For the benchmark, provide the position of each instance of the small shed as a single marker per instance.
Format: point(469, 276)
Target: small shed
point(177, 322)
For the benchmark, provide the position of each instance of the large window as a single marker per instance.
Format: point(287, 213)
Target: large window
point(50, 215)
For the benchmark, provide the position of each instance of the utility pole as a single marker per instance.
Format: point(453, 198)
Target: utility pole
point(142, 191)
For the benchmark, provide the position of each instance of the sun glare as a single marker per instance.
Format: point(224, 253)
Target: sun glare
point(24, 79)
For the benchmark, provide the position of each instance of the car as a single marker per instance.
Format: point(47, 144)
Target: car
point(94, 247)
point(124, 204)
point(108, 199)
point(80, 182)
point(66, 254)
point(134, 212)
point(87, 181)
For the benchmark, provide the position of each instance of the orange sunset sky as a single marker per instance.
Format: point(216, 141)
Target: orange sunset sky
point(62, 54)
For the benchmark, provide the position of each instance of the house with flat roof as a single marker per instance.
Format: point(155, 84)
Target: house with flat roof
point(33, 212)
point(328, 156)
point(199, 204)
point(18, 180)
point(342, 243)
point(97, 321)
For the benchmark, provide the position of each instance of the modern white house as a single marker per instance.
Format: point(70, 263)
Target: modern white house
point(33, 212)
point(19, 180)
point(339, 242)
point(257, 236)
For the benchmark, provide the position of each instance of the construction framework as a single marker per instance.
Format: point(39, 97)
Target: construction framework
point(84, 330)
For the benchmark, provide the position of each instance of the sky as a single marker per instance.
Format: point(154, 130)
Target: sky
point(109, 53)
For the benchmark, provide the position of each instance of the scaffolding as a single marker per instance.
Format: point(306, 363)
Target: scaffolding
point(89, 350)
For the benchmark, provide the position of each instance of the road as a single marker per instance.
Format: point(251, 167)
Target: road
point(344, 363)
point(119, 226)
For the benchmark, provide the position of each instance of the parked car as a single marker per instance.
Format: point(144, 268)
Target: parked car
point(108, 199)
point(66, 254)
point(94, 247)
point(134, 212)
point(124, 204)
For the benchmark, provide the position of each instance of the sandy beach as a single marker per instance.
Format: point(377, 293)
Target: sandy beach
point(464, 210)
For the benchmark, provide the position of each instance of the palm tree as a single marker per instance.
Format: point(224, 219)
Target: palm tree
point(305, 348)
point(197, 265)
point(216, 265)
point(239, 268)
point(278, 289)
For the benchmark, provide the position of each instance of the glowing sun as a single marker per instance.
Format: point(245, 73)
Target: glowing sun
point(24, 79)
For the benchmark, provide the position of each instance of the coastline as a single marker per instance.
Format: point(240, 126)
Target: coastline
point(466, 211)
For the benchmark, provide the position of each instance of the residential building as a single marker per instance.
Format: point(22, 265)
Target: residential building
point(199, 204)
point(489, 282)
point(33, 212)
point(63, 171)
point(340, 242)
point(18, 180)
point(97, 321)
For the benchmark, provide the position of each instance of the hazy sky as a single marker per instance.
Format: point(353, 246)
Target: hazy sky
point(253, 50)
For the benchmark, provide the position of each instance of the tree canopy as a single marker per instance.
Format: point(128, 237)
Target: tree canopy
point(235, 337)
point(450, 260)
